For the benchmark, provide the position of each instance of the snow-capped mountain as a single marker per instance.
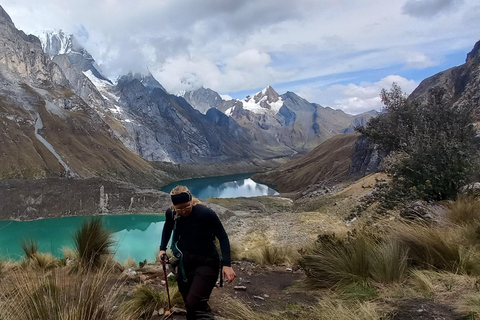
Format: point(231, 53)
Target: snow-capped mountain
point(56, 43)
point(266, 101)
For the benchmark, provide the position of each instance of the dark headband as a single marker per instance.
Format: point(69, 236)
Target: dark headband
point(181, 198)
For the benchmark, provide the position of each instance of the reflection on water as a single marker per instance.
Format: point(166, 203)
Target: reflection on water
point(136, 236)
point(224, 187)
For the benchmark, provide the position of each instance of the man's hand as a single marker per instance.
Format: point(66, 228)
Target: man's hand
point(162, 257)
point(228, 273)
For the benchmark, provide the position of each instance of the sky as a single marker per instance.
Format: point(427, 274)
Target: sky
point(336, 53)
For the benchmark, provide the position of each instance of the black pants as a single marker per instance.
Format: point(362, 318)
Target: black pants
point(202, 274)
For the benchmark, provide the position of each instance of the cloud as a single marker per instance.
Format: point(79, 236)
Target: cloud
point(231, 46)
point(355, 99)
point(428, 8)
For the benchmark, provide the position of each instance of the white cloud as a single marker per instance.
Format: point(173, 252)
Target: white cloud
point(355, 99)
point(231, 46)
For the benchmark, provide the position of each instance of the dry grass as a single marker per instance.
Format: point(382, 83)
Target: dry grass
point(466, 210)
point(145, 300)
point(328, 309)
point(69, 253)
point(470, 305)
point(361, 257)
point(130, 263)
point(57, 295)
point(441, 248)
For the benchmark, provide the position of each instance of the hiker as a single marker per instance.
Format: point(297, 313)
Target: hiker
point(195, 228)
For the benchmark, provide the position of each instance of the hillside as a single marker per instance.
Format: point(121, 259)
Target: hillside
point(326, 164)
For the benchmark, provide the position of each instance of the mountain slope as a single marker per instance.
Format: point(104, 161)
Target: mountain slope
point(47, 130)
point(461, 83)
point(330, 161)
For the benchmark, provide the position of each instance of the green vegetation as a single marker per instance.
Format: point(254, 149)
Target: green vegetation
point(431, 145)
point(92, 243)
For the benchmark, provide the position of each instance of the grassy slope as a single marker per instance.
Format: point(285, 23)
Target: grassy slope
point(329, 161)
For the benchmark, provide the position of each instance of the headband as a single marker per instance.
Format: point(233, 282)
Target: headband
point(181, 198)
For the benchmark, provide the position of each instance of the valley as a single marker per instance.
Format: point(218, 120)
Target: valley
point(376, 216)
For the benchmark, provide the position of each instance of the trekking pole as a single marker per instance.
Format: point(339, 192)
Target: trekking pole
point(166, 284)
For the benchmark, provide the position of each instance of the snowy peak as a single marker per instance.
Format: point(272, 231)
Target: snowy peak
point(56, 42)
point(268, 94)
point(265, 101)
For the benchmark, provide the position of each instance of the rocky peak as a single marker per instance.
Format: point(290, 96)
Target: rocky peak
point(474, 55)
point(56, 42)
point(268, 94)
point(4, 17)
point(147, 80)
point(203, 99)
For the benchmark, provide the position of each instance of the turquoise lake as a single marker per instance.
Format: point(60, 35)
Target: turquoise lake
point(232, 186)
point(136, 236)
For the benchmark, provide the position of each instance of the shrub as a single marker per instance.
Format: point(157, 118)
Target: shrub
point(435, 141)
point(92, 243)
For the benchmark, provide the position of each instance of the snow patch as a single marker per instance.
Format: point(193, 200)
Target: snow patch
point(251, 105)
point(99, 83)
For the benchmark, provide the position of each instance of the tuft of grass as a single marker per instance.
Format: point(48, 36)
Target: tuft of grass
point(466, 210)
point(434, 247)
point(44, 261)
point(145, 300)
point(360, 291)
point(334, 261)
point(92, 243)
point(57, 295)
point(29, 247)
point(272, 255)
point(234, 309)
point(423, 282)
point(388, 261)
point(130, 263)
point(342, 310)
point(69, 253)
point(470, 305)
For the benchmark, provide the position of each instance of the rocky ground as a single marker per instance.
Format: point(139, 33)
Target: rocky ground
point(280, 221)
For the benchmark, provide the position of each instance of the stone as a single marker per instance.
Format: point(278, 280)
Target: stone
point(130, 272)
point(240, 288)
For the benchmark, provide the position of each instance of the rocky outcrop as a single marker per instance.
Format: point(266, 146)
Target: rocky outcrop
point(203, 99)
point(48, 198)
point(366, 158)
point(461, 83)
